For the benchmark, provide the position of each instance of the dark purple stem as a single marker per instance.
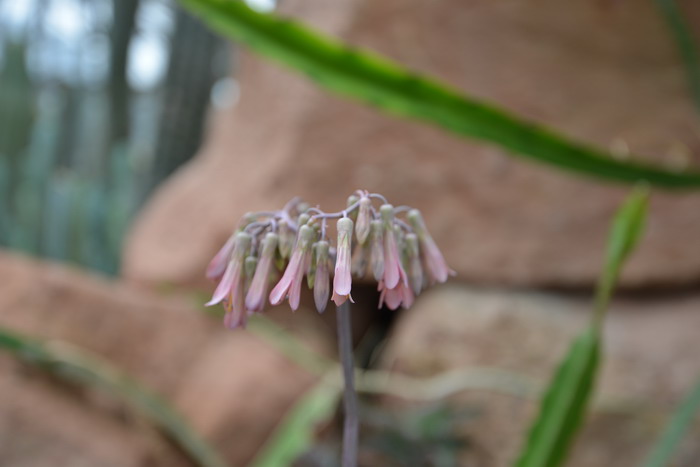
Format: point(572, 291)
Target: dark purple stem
point(351, 422)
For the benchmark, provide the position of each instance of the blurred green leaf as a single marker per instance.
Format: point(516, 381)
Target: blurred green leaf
point(685, 44)
point(296, 432)
point(564, 404)
point(70, 363)
point(662, 453)
point(566, 399)
point(626, 231)
point(377, 81)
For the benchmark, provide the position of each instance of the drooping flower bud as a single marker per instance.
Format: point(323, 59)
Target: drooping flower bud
point(364, 216)
point(311, 268)
point(231, 288)
point(286, 239)
point(218, 264)
point(251, 262)
point(435, 263)
point(322, 279)
point(360, 260)
point(290, 283)
point(392, 260)
point(303, 219)
point(342, 281)
point(415, 271)
point(376, 257)
point(255, 299)
point(352, 200)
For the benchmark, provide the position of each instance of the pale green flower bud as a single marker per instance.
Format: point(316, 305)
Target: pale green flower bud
point(376, 256)
point(364, 216)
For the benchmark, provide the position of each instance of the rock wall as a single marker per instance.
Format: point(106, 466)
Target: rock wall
point(601, 72)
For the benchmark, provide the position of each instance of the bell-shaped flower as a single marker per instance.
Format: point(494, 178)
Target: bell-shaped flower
point(342, 280)
point(290, 283)
point(322, 277)
point(435, 263)
point(392, 259)
point(257, 292)
point(231, 287)
point(218, 264)
point(401, 295)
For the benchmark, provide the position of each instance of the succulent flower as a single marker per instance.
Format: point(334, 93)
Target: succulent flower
point(290, 284)
point(401, 255)
point(257, 293)
point(342, 280)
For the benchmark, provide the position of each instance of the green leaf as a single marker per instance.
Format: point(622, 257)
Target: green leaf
point(625, 233)
point(662, 453)
point(296, 432)
point(70, 363)
point(377, 81)
point(564, 404)
point(685, 43)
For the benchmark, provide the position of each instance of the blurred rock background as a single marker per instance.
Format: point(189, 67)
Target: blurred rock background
point(132, 140)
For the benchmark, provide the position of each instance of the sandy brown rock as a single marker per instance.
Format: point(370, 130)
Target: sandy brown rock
point(604, 73)
point(649, 363)
point(232, 386)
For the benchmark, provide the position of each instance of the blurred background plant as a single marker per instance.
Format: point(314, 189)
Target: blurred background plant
point(100, 100)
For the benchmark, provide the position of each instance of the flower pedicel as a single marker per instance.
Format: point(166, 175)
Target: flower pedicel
point(372, 242)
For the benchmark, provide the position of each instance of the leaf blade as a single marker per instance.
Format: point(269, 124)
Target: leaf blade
point(372, 79)
point(294, 434)
point(563, 405)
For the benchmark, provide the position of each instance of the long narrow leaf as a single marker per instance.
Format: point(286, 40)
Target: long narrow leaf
point(564, 405)
point(566, 400)
point(626, 231)
point(377, 81)
point(662, 453)
point(70, 363)
point(295, 434)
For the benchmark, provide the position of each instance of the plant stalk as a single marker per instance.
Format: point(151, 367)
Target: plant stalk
point(351, 422)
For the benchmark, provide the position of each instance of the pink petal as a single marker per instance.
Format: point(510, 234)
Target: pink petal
point(338, 299)
point(280, 291)
point(391, 260)
point(233, 271)
point(218, 263)
point(295, 288)
point(393, 298)
point(255, 299)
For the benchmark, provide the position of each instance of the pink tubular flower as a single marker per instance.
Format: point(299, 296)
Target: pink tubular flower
point(401, 295)
point(322, 278)
point(290, 284)
point(435, 263)
point(342, 282)
point(217, 265)
point(231, 288)
point(392, 260)
point(255, 299)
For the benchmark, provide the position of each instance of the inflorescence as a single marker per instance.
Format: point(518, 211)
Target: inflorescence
point(399, 254)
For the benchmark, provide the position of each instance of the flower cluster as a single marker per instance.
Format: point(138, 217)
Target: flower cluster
point(371, 241)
